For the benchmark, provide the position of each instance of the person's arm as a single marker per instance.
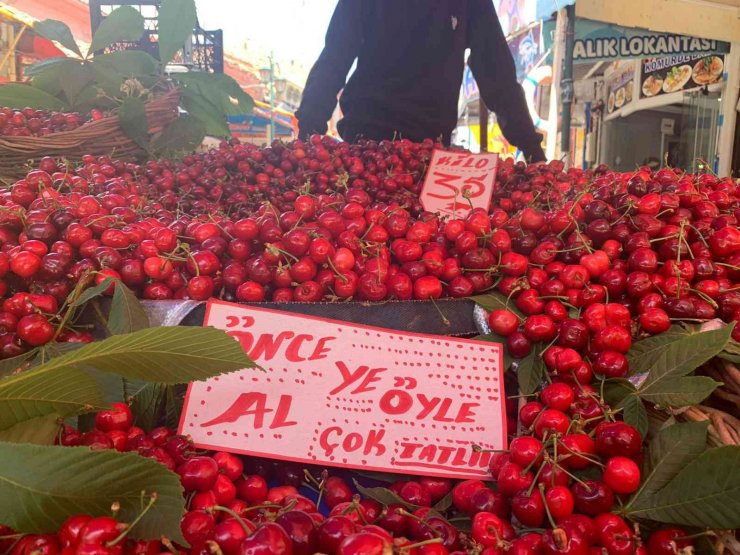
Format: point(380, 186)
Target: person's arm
point(493, 68)
point(328, 75)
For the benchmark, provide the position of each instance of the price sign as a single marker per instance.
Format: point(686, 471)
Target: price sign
point(457, 182)
point(352, 396)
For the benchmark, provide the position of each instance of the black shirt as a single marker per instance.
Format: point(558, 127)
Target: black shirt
point(410, 61)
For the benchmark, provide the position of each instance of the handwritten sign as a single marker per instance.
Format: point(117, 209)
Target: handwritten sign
point(352, 396)
point(457, 182)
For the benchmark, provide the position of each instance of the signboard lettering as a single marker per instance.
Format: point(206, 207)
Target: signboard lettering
point(352, 396)
point(602, 41)
point(457, 182)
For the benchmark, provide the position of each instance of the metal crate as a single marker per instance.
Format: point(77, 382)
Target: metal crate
point(204, 52)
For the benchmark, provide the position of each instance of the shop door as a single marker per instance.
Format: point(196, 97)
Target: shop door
point(699, 131)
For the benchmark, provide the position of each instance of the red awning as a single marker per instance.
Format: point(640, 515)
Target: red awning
point(44, 48)
point(29, 44)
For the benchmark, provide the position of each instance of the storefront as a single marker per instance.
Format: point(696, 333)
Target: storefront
point(659, 96)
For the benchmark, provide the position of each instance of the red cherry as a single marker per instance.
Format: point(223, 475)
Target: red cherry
point(613, 338)
point(364, 543)
point(462, 493)
point(69, 531)
point(539, 327)
point(252, 489)
point(35, 329)
point(577, 449)
point(119, 417)
point(487, 529)
point(416, 494)
point(654, 320)
point(512, 478)
point(528, 508)
point(558, 396)
point(669, 541)
point(197, 527)
point(301, 530)
point(561, 542)
point(529, 412)
point(592, 497)
point(559, 501)
point(198, 473)
point(268, 539)
point(25, 264)
point(622, 475)
point(617, 439)
point(550, 421)
point(518, 345)
point(503, 322)
point(230, 533)
point(525, 450)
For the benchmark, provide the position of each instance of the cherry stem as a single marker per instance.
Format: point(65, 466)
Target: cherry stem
point(337, 272)
point(445, 320)
point(214, 548)
point(478, 449)
point(533, 461)
point(547, 509)
point(122, 535)
point(697, 535)
point(420, 520)
point(406, 548)
point(576, 478)
point(576, 454)
point(264, 506)
point(536, 477)
point(169, 545)
point(241, 520)
point(75, 295)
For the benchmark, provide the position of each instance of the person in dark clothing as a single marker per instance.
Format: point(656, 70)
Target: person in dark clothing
point(410, 61)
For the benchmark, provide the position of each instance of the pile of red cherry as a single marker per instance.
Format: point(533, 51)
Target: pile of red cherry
point(38, 123)
point(537, 507)
point(331, 221)
point(590, 260)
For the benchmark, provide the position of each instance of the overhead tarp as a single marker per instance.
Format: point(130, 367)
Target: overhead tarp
point(707, 19)
point(38, 47)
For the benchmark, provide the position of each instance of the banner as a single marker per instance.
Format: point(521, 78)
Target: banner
point(679, 73)
point(515, 14)
point(620, 83)
point(525, 48)
point(346, 395)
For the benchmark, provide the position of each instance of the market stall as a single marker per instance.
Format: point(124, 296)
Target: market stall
point(372, 348)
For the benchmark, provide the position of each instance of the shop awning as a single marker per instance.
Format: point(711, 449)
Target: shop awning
point(257, 123)
point(713, 19)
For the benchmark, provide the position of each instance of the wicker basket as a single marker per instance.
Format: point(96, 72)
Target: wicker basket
point(722, 412)
point(101, 137)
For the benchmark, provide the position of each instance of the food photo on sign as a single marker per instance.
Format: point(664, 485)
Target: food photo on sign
point(620, 79)
point(679, 73)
